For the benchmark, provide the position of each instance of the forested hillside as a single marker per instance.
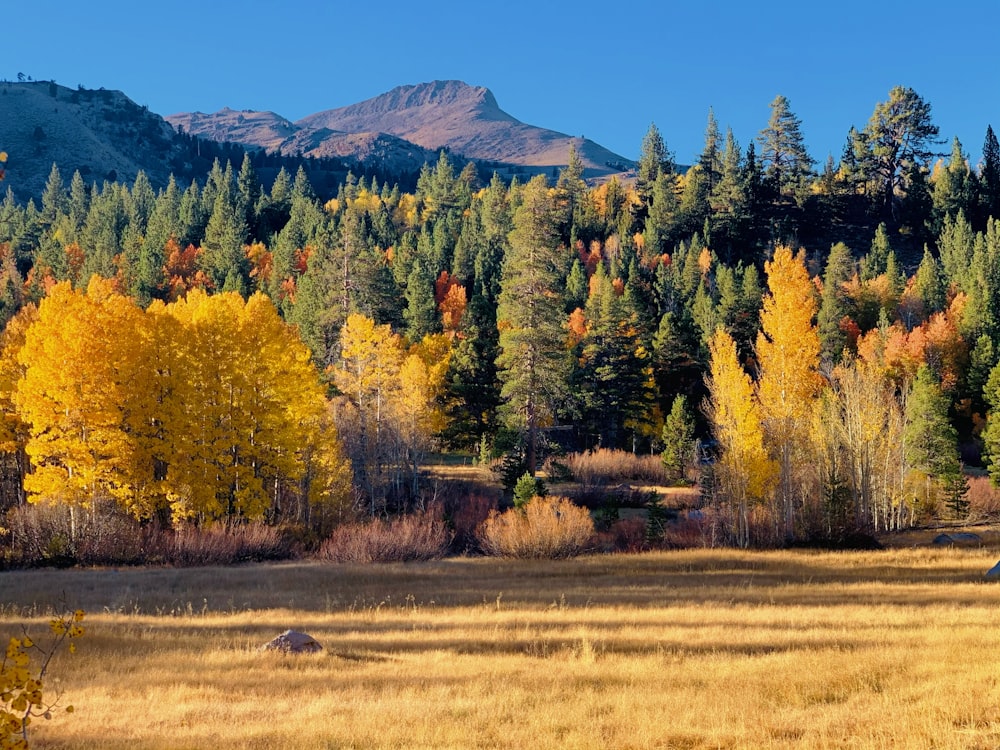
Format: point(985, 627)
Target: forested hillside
point(832, 332)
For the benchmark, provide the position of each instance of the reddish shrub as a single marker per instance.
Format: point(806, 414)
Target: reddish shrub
point(983, 499)
point(624, 535)
point(418, 536)
point(603, 466)
point(218, 545)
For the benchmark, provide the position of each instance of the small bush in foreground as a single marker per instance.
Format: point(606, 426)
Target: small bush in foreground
point(418, 536)
point(543, 528)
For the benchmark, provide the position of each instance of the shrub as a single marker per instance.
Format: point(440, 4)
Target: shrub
point(623, 535)
point(47, 534)
point(983, 498)
point(218, 545)
point(465, 515)
point(417, 536)
point(604, 466)
point(692, 529)
point(544, 528)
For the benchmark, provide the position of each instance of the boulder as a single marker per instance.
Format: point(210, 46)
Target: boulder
point(967, 537)
point(293, 642)
point(993, 574)
point(959, 537)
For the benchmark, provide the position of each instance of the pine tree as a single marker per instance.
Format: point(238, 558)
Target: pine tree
point(932, 445)
point(654, 159)
point(834, 305)
point(989, 176)
point(678, 440)
point(710, 159)
point(421, 313)
point(782, 148)
point(929, 285)
point(874, 263)
point(223, 256)
point(899, 132)
point(532, 363)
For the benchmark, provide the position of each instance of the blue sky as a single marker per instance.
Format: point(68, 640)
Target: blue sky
point(605, 70)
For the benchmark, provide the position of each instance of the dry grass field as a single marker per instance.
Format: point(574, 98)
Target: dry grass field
point(694, 649)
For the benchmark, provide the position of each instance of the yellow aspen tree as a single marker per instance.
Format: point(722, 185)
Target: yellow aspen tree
point(744, 471)
point(325, 490)
point(788, 350)
point(418, 411)
point(247, 412)
point(205, 468)
point(870, 420)
point(82, 397)
point(368, 374)
point(13, 430)
point(284, 400)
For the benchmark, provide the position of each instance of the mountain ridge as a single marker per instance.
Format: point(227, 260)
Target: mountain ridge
point(450, 114)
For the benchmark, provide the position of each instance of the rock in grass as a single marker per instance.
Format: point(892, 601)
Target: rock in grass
point(994, 573)
point(967, 537)
point(960, 538)
point(293, 642)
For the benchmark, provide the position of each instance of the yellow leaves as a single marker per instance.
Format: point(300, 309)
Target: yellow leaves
point(84, 364)
point(207, 405)
point(246, 409)
point(21, 688)
point(390, 384)
point(737, 423)
point(705, 261)
point(365, 201)
point(788, 344)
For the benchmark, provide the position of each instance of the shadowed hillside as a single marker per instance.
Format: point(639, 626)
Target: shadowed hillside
point(101, 133)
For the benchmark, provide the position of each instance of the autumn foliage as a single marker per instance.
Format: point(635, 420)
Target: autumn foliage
point(206, 408)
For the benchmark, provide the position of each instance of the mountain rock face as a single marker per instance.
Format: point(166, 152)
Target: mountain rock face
point(264, 129)
point(443, 114)
point(101, 133)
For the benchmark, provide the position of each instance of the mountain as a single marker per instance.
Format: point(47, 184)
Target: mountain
point(101, 133)
point(442, 114)
point(274, 133)
point(106, 136)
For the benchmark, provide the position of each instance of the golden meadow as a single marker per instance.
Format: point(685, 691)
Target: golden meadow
point(690, 649)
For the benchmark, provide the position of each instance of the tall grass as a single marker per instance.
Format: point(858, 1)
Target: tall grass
point(695, 649)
